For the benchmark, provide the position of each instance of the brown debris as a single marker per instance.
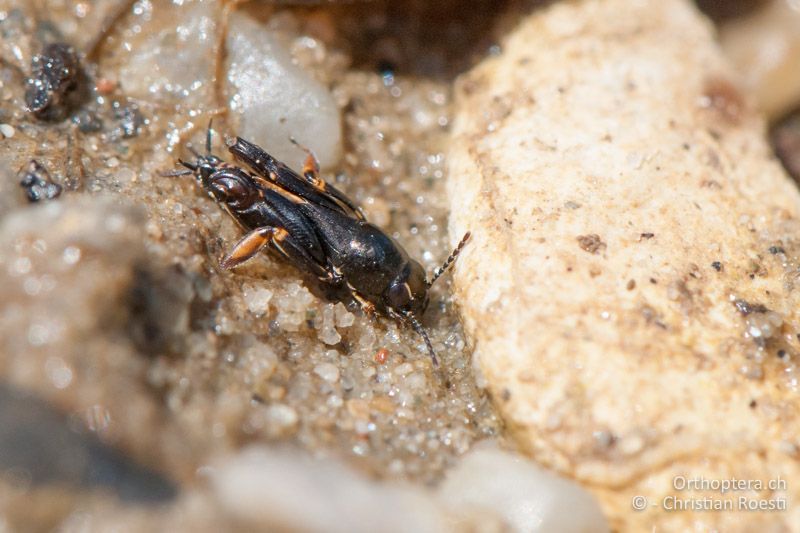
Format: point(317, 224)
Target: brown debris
point(591, 243)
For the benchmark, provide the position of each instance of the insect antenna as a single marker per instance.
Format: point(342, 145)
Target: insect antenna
point(449, 261)
point(176, 173)
point(191, 166)
point(421, 331)
point(190, 169)
point(208, 137)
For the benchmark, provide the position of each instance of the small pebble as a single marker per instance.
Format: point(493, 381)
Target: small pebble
point(327, 371)
point(105, 86)
point(257, 299)
point(381, 356)
point(7, 130)
point(327, 332)
point(281, 416)
point(528, 497)
point(416, 381)
point(274, 99)
point(260, 361)
point(344, 318)
point(126, 175)
point(71, 255)
point(405, 368)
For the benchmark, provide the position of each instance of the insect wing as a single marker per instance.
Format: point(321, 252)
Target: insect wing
point(278, 173)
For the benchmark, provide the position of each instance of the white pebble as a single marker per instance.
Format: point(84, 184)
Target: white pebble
point(528, 497)
point(403, 412)
point(327, 331)
point(170, 62)
point(334, 401)
point(260, 361)
point(405, 368)
point(284, 490)
point(344, 318)
point(292, 307)
point(416, 381)
point(71, 255)
point(257, 299)
point(126, 175)
point(631, 445)
point(327, 371)
point(329, 336)
point(7, 130)
point(281, 415)
point(275, 99)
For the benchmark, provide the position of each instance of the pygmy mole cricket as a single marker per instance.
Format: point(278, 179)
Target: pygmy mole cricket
point(318, 229)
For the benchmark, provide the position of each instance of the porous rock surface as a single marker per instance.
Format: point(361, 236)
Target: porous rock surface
point(630, 285)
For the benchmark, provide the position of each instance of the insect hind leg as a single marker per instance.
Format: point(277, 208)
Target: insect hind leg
point(252, 243)
point(311, 174)
point(310, 166)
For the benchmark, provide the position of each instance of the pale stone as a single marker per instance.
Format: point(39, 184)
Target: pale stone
point(169, 60)
point(283, 489)
point(274, 100)
point(625, 207)
point(526, 496)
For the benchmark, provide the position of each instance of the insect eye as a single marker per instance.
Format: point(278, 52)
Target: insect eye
point(232, 190)
point(399, 295)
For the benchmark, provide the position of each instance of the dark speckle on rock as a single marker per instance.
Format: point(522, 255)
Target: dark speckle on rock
point(37, 183)
point(129, 120)
point(747, 308)
point(591, 243)
point(775, 250)
point(55, 73)
point(87, 121)
point(716, 265)
point(722, 96)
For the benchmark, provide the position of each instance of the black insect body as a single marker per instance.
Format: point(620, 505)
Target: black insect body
point(316, 228)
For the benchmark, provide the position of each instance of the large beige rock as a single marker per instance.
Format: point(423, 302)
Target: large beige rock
point(630, 286)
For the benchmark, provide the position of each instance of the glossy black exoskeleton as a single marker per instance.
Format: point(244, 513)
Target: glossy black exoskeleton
point(316, 228)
